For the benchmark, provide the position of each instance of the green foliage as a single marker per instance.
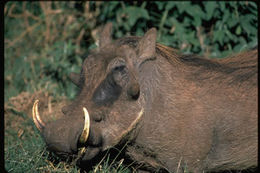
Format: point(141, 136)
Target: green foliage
point(214, 29)
point(44, 42)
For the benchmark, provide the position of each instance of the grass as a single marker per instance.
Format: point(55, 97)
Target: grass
point(25, 149)
point(30, 155)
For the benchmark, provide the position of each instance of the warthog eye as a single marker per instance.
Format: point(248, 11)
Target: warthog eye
point(120, 75)
point(119, 68)
point(107, 92)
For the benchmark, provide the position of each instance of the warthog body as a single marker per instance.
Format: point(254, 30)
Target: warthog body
point(175, 111)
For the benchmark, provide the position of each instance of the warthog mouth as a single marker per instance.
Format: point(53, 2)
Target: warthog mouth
point(40, 124)
point(86, 152)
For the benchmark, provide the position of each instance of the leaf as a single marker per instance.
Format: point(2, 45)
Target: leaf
point(160, 4)
point(197, 21)
point(219, 36)
point(179, 27)
point(246, 21)
point(119, 34)
point(195, 10)
point(183, 6)
point(135, 13)
point(253, 42)
point(226, 16)
point(232, 20)
point(253, 4)
point(170, 5)
point(139, 32)
point(166, 39)
point(210, 8)
point(241, 46)
point(230, 36)
point(222, 5)
point(192, 39)
point(238, 30)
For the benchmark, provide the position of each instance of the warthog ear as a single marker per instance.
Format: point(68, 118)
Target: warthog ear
point(146, 46)
point(75, 78)
point(105, 36)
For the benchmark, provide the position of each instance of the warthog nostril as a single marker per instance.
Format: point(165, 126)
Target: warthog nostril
point(134, 91)
point(97, 118)
point(65, 109)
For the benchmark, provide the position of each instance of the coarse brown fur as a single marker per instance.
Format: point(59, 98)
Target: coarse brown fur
point(199, 114)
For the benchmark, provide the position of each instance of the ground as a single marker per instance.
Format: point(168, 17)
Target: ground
point(24, 148)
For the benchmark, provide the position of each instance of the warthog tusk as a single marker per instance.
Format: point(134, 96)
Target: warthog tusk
point(36, 116)
point(84, 136)
point(123, 133)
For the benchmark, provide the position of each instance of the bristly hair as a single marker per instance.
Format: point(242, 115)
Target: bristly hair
point(241, 68)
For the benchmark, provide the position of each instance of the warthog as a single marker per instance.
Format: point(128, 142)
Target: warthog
point(174, 111)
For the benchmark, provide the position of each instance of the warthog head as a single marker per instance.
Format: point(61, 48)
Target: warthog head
point(109, 106)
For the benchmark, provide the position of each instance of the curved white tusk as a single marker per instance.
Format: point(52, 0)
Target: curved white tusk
point(36, 116)
point(135, 122)
point(125, 132)
point(85, 133)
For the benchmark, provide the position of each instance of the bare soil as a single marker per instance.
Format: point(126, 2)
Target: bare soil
point(18, 109)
